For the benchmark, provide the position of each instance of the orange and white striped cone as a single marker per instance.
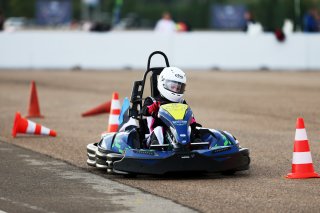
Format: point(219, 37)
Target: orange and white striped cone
point(302, 166)
point(24, 126)
point(114, 113)
point(102, 108)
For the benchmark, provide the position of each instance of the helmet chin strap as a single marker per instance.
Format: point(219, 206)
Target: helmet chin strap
point(180, 101)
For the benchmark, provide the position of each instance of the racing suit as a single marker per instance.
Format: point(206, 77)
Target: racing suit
point(150, 109)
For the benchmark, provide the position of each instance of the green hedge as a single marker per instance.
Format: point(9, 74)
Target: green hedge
point(270, 13)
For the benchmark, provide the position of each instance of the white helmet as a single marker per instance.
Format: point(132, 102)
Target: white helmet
point(172, 83)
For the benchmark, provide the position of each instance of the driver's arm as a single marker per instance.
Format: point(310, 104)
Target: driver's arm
point(150, 107)
point(193, 122)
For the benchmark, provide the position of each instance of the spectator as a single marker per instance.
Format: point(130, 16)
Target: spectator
point(182, 26)
point(99, 27)
point(311, 21)
point(1, 20)
point(280, 36)
point(287, 27)
point(166, 24)
point(249, 19)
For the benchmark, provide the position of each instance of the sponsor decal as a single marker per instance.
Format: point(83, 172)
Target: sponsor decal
point(179, 123)
point(144, 152)
point(178, 76)
point(226, 141)
point(120, 146)
point(188, 156)
point(220, 149)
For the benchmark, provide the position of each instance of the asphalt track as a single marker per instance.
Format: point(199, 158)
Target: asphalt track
point(259, 108)
point(31, 182)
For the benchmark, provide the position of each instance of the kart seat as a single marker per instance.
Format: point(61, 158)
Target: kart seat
point(138, 89)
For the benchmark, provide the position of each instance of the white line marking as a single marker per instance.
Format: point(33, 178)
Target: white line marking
point(26, 205)
point(132, 198)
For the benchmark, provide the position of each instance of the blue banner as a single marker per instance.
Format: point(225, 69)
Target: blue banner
point(53, 12)
point(225, 16)
point(91, 2)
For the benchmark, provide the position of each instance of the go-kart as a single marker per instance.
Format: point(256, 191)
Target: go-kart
point(125, 152)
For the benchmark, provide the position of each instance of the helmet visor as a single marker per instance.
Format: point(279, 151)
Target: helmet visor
point(175, 86)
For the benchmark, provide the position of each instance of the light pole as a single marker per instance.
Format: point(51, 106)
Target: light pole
point(297, 12)
point(117, 12)
point(91, 10)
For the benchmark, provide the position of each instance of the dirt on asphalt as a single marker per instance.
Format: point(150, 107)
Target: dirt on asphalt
point(259, 108)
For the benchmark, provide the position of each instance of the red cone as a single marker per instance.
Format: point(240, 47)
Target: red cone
point(103, 108)
point(24, 126)
point(34, 108)
point(302, 166)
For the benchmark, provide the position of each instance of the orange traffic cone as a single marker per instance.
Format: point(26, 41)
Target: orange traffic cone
point(34, 109)
point(114, 113)
point(302, 166)
point(24, 126)
point(103, 108)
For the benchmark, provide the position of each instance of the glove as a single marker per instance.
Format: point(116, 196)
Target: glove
point(194, 124)
point(154, 108)
point(195, 132)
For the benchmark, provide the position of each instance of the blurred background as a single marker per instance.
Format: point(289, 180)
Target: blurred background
point(143, 14)
point(234, 20)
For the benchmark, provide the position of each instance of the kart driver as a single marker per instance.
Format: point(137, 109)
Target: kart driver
point(171, 85)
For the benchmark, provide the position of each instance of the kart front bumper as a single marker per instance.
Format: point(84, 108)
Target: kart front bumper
point(184, 161)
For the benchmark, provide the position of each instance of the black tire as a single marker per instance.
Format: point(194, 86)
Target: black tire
point(228, 173)
point(130, 175)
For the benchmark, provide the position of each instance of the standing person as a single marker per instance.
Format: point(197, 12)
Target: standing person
point(311, 21)
point(1, 20)
point(249, 19)
point(166, 24)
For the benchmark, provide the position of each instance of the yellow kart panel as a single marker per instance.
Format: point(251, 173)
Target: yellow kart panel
point(176, 110)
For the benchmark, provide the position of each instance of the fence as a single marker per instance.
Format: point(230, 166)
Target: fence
point(130, 50)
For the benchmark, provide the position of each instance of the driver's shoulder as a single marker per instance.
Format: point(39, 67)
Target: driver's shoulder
point(183, 101)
